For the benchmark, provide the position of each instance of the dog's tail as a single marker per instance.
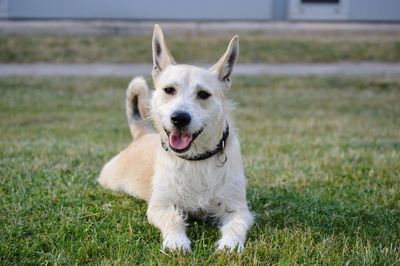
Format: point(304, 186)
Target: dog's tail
point(138, 107)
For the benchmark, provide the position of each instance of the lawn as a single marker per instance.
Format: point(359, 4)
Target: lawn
point(322, 157)
point(254, 49)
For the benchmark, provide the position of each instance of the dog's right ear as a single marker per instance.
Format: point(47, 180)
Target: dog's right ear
point(161, 54)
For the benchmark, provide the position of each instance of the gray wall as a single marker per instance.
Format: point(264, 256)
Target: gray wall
point(312, 11)
point(279, 9)
point(142, 9)
point(380, 10)
point(347, 10)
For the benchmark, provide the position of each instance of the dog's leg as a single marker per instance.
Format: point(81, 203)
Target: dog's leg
point(235, 225)
point(171, 222)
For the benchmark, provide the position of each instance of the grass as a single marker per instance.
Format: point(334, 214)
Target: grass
point(254, 49)
point(322, 157)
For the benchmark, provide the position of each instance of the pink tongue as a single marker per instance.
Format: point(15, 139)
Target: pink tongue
point(179, 141)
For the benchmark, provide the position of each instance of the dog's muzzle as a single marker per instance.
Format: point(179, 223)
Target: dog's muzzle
point(180, 119)
point(180, 141)
point(219, 149)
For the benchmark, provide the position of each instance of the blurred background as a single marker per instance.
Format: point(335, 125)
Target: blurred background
point(317, 87)
point(262, 10)
point(272, 31)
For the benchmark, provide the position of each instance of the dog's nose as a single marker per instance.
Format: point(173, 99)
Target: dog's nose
point(180, 119)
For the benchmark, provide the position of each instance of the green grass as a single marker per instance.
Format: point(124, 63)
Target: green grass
point(203, 49)
point(322, 157)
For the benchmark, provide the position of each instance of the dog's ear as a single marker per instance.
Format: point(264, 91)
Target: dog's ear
point(161, 54)
point(223, 68)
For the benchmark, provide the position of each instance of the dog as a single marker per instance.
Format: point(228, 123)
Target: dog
point(187, 162)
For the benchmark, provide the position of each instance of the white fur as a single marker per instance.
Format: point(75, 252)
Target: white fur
point(192, 186)
point(181, 187)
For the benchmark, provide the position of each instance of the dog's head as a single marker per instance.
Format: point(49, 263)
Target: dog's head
point(188, 106)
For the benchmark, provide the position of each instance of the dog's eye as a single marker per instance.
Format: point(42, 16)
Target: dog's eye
point(203, 95)
point(170, 90)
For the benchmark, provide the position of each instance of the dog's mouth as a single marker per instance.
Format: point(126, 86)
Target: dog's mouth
point(180, 141)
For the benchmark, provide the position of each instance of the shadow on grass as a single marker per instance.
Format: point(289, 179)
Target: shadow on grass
point(296, 208)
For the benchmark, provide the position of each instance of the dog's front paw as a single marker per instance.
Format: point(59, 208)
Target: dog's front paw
point(176, 242)
point(230, 244)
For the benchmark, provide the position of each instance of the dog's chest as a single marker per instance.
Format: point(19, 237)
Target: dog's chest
point(196, 185)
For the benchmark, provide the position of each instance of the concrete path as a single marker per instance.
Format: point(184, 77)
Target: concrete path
point(130, 70)
point(229, 28)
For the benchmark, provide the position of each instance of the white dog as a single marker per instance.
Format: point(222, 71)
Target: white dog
point(192, 164)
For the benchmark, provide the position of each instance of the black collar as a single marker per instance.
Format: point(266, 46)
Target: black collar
point(219, 149)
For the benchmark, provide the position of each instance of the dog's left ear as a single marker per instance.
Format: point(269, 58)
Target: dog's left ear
point(161, 55)
point(223, 68)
